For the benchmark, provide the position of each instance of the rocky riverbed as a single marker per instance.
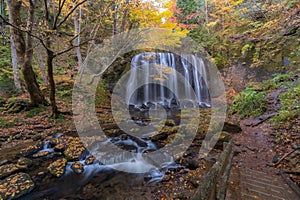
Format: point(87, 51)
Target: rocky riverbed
point(53, 163)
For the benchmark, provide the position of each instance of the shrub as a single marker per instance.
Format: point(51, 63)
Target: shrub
point(290, 108)
point(249, 102)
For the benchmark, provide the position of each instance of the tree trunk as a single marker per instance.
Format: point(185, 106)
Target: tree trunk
point(114, 15)
point(42, 65)
point(77, 17)
point(50, 57)
point(206, 12)
point(14, 60)
point(14, 14)
point(125, 18)
point(24, 49)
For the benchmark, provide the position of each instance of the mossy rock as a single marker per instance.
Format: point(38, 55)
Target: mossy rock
point(24, 163)
point(8, 169)
point(2, 102)
point(16, 186)
point(74, 151)
point(16, 105)
point(170, 122)
point(58, 167)
point(41, 154)
point(77, 167)
point(90, 160)
point(28, 151)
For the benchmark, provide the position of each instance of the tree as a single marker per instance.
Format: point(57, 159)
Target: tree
point(77, 27)
point(52, 26)
point(15, 64)
point(65, 25)
point(24, 47)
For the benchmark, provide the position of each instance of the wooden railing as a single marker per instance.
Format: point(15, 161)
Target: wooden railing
point(215, 182)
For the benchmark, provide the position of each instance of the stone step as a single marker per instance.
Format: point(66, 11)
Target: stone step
point(262, 182)
point(260, 185)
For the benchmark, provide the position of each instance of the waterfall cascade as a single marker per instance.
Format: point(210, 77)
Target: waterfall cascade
point(169, 76)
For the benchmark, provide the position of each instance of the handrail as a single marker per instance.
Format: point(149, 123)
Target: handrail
point(215, 182)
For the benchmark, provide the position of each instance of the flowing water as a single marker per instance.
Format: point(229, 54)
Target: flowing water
point(169, 81)
point(170, 76)
point(99, 173)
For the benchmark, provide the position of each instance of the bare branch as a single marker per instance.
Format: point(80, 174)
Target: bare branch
point(70, 48)
point(25, 31)
point(71, 11)
point(46, 10)
point(60, 7)
point(286, 155)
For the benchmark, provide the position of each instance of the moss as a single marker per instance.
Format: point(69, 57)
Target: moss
point(15, 105)
point(35, 111)
point(4, 123)
point(170, 122)
point(2, 102)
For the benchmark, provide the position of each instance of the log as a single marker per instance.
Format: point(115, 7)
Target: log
point(284, 156)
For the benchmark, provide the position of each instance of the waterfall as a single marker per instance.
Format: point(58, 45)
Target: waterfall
point(164, 69)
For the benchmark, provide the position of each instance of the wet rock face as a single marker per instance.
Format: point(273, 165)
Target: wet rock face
point(8, 169)
point(15, 186)
point(232, 127)
point(77, 167)
point(58, 167)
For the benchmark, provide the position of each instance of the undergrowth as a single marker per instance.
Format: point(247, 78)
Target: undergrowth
point(290, 102)
point(251, 102)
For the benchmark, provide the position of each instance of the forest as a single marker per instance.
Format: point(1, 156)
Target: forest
point(150, 99)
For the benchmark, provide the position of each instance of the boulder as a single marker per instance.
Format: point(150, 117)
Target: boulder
point(16, 186)
point(24, 163)
point(58, 167)
point(232, 127)
point(8, 169)
point(41, 154)
point(60, 147)
point(28, 151)
point(77, 167)
point(90, 160)
point(170, 122)
point(74, 151)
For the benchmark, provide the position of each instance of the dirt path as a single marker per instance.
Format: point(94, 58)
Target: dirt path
point(252, 176)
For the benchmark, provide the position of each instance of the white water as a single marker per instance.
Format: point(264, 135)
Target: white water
point(138, 164)
point(162, 68)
